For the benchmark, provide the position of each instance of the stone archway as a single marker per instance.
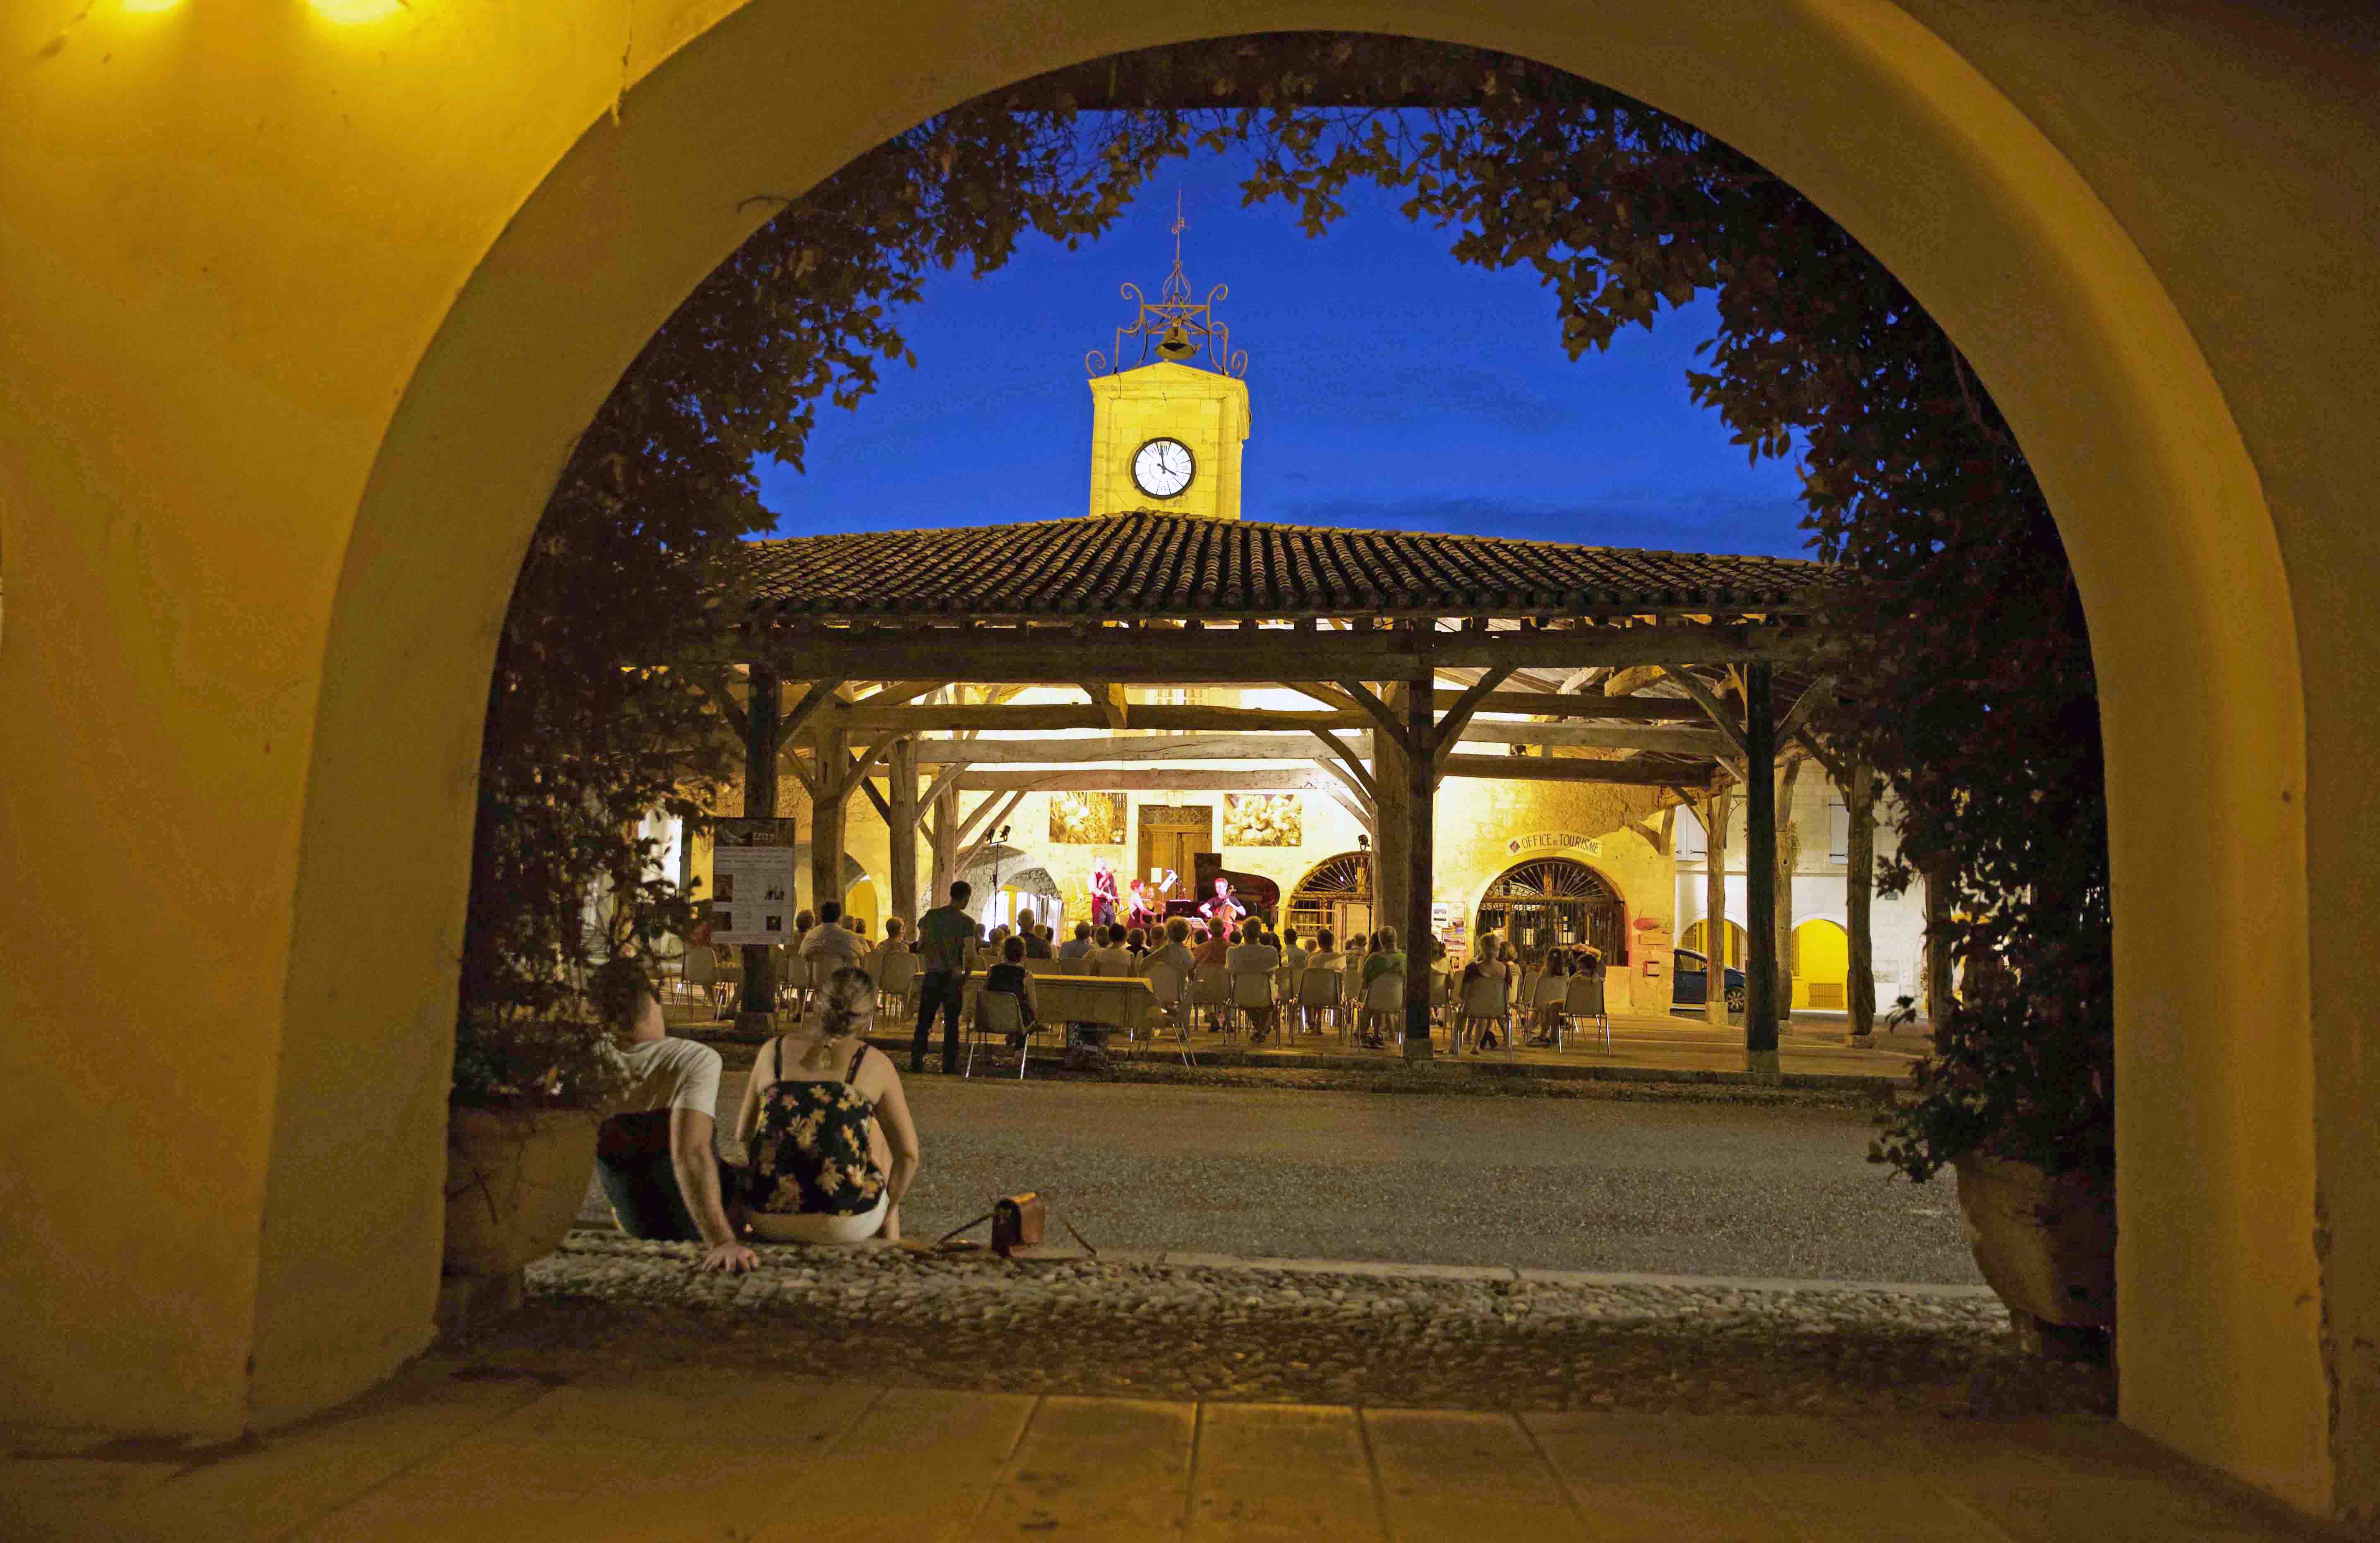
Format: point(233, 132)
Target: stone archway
point(1336, 896)
point(1556, 903)
point(270, 722)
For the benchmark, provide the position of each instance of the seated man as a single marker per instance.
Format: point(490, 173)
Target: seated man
point(1080, 945)
point(895, 936)
point(1216, 946)
point(1036, 941)
point(830, 945)
point(1253, 955)
point(1111, 957)
point(654, 1156)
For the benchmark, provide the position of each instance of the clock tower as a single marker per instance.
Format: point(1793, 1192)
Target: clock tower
point(1166, 435)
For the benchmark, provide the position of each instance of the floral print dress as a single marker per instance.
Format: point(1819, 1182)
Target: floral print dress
point(810, 1153)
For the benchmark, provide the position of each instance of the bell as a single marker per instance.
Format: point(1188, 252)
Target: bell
point(1176, 344)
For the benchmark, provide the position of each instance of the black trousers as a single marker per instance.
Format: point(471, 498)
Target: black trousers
point(632, 1163)
point(946, 990)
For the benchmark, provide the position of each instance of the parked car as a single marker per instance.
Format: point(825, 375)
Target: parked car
point(1690, 982)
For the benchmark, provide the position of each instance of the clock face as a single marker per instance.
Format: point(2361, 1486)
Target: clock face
point(1162, 467)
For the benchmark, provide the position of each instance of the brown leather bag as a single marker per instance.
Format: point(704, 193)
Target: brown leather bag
point(1018, 1221)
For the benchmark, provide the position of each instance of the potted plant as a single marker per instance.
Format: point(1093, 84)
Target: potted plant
point(520, 1135)
point(2016, 1098)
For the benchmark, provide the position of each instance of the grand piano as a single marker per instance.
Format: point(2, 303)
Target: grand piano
point(1259, 893)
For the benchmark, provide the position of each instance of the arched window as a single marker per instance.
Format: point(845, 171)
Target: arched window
point(1336, 894)
point(1556, 902)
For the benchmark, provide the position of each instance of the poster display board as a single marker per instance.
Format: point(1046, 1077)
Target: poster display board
point(752, 882)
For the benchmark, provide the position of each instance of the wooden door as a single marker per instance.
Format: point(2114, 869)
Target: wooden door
point(1172, 835)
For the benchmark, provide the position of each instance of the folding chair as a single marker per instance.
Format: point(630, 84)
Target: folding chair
point(1165, 984)
point(1484, 1001)
point(1001, 1013)
point(1584, 999)
point(1252, 994)
point(1318, 990)
point(1552, 991)
point(1210, 987)
point(896, 983)
point(1385, 997)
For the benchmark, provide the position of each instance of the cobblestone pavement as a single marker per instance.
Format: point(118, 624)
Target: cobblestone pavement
point(1241, 1332)
point(1736, 1186)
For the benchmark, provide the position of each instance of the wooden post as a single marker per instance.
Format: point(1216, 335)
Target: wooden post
point(1715, 823)
point(1938, 996)
point(1859, 888)
point(757, 998)
point(1760, 872)
point(1391, 863)
point(1421, 858)
point(1788, 858)
point(945, 836)
point(830, 810)
point(902, 868)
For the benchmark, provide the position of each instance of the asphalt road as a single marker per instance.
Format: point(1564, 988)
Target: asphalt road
point(1670, 1188)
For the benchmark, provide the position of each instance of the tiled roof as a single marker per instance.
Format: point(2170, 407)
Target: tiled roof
point(1161, 565)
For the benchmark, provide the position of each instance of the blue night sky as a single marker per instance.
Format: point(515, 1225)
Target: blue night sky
point(1390, 386)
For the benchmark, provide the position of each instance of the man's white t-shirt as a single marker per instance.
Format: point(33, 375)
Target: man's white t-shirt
point(1076, 948)
point(1251, 959)
point(670, 1073)
point(1111, 959)
point(1293, 957)
point(835, 945)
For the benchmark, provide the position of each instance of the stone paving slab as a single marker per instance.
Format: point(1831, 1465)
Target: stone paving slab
point(515, 1438)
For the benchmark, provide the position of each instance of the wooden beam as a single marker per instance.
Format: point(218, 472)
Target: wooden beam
point(1144, 748)
point(1367, 819)
point(1448, 729)
point(1252, 656)
point(822, 692)
point(1288, 778)
point(1365, 793)
point(1109, 698)
point(1047, 716)
point(1294, 776)
point(949, 775)
point(894, 692)
point(1567, 769)
point(883, 808)
point(1802, 706)
point(1359, 776)
point(1707, 699)
point(1384, 720)
point(968, 826)
point(1328, 696)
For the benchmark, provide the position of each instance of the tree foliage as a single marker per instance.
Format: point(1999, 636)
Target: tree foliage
point(1976, 698)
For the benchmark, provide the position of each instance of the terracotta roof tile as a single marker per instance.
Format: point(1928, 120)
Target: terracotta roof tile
point(1151, 565)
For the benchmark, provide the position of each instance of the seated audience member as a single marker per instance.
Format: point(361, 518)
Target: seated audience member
point(1384, 959)
point(1080, 945)
point(833, 1148)
point(895, 936)
point(1111, 957)
point(1135, 940)
point(857, 925)
point(1548, 1015)
point(1254, 955)
point(654, 1155)
point(1173, 950)
point(1218, 944)
point(802, 922)
point(1036, 936)
point(830, 945)
point(1324, 955)
point(1010, 978)
point(1292, 955)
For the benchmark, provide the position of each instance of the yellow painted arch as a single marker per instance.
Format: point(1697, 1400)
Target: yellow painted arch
point(301, 322)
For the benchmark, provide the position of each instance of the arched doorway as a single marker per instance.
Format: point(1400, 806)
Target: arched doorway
point(1556, 903)
point(483, 316)
point(1336, 894)
point(1821, 962)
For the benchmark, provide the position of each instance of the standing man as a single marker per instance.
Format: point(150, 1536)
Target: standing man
point(943, 934)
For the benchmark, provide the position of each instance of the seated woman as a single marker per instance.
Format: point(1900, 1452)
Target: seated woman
point(1010, 978)
point(1549, 1014)
point(1384, 959)
point(832, 1146)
